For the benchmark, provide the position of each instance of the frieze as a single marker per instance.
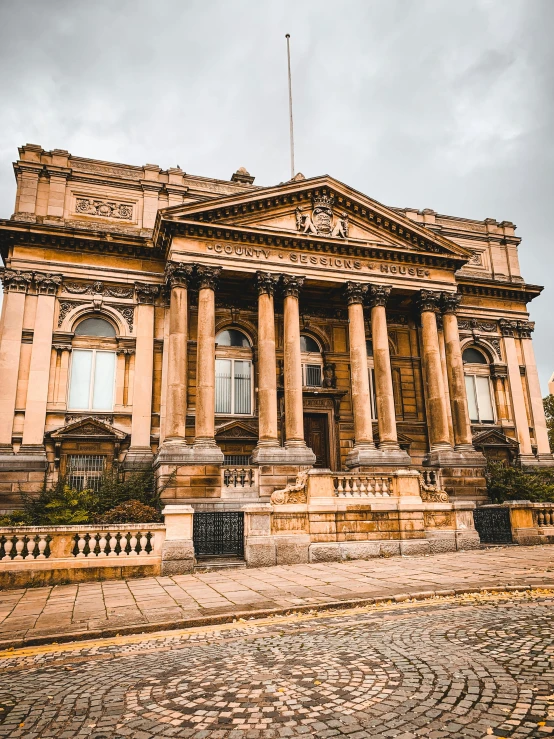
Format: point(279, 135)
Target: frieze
point(86, 429)
point(472, 324)
point(104, 208)
point(98, 288)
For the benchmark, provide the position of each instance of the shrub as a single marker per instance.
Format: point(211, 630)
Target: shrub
point(15, 518)
point(131, 511)
point(60, 505)
point(513, 483)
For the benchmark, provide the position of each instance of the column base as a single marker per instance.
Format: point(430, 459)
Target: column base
point(459, 457)
point(29, 458)
point(293, 455)
point(206, 451)
point(371, 457)
point(175, 451)
point(138, 459)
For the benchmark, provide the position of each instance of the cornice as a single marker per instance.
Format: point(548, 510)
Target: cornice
point(490, 288)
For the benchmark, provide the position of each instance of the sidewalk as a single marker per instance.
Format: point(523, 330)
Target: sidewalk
point(102, 609)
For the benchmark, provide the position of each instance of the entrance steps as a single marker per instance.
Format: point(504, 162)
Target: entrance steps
point(210, 564)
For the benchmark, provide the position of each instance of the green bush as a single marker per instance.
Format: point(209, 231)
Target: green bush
point(15, 518)
point(513, 483)
point(132, 511)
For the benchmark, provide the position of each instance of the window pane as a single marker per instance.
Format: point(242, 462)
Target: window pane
point(313, 375)
point(484, 398)
point(232, 337)
point(307, 344)
point(95, 327)
point(472, 356)
point(243, 396)
point(471, 399)
point(223, 386)
point(79, 391)
point(104, 373)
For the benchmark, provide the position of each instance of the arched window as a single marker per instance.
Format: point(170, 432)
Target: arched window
point(92, 372)
point(371, 372)
point(312, 361)
point(478, 386)
point(233, 373)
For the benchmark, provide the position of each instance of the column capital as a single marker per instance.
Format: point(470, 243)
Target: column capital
point(16, 280)
point(207, 276)
point(291, 285)
point(355, 292)
point(177, 274)
point(525, 329)
point(146, 293)
point(450, 302)
point(378, 295)
point(266, 283)
point(507, 328)
point(47, 283)
point(428, 300)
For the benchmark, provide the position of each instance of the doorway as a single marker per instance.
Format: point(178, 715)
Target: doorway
point(316, 436)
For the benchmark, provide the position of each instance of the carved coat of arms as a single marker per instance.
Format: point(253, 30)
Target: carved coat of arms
point(321, 221)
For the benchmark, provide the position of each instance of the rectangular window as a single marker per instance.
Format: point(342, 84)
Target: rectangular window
point(233, 387)
point(92, 380)
point(84, 471)
point(478, 390)
point(312, 375)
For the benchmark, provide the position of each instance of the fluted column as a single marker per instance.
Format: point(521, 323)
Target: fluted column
point(177, 276)
point(15, 285)
point(204, 443)
point(294, 412)
point(267, 376)
point(537, 409)
point(359, 375)
point(455, 372)
point(509, 330)
point(39, 370)
point(437, 417)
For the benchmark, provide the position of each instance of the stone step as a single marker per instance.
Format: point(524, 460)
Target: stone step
point(204, 564)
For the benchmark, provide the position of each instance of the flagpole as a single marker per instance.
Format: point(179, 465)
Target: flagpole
point(287, 36)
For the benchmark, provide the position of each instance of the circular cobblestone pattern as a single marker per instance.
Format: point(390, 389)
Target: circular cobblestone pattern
point(451, 669)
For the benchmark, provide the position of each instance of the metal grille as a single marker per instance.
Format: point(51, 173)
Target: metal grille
point(238, 460)
point(218, 534)
point(493, 525)
point(313, 375)
point(84, 472)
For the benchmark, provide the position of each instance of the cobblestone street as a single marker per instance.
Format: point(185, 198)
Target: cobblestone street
point(471, 666)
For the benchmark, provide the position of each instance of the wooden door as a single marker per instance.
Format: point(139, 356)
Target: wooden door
point(316, 435)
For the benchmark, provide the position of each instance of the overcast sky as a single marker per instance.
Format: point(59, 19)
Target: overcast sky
point(423, 103)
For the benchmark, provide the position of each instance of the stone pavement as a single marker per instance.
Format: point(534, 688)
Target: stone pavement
point(473, 666)
point(91, 610)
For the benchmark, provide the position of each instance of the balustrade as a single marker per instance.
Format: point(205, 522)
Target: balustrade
point(352, 485)
point(545, 517)
point(239, 477)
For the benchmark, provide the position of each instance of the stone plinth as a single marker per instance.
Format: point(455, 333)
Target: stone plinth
point(178, 547)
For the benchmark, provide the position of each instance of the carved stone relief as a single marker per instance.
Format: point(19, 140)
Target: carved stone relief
point(98, 288)
point(104, 208)
point(321, 221)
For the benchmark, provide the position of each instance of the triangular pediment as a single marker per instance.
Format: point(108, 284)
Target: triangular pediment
point(493, 437)
point(88, 427)
point(320, 208)
point(236, 430)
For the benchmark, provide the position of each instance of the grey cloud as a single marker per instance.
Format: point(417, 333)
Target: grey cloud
point(428, 103)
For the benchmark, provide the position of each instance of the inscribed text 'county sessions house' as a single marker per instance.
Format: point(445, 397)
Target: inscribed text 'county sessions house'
point(239, 334)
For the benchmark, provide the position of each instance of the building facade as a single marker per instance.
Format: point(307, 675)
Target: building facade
point(232, 336)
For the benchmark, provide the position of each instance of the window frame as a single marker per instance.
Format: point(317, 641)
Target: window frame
point(234, 359)
point(311, 359)
point(92, 380)
point(481, 370)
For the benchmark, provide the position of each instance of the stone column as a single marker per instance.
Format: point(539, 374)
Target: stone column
point(268, 438)
point(140, 451)
point(455, 371)
point(39, 371)
point(386, 413)
point(205, 448)
point(15, 285)
point(537, 408)
point(294, 411)
point(521, 420)
point(177, 276)
point(437, 417)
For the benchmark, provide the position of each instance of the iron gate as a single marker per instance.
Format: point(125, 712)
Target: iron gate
point(493, 525)
point(218, 534)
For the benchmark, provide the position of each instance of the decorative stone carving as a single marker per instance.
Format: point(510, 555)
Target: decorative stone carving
point(178, 275)
point(450, 302)
point(266, 283)
point(472, 324)
point(65, 307)
point(495, 343)
point(499, 370)
point(525, 329)
point(476, 259)
point(329, 375)
point(104, 208)
point(128, 313)
point(16, 280)
point(321, 222)
point(355, 292)
point(378, 295)
point(98, 288)
point(428, 300)
point(507, 328)
point(291, 285)
point(146, 293)
point(47, 283)
point(430, 490)
point(207, 276)
point(87, 429)
point(293, 493)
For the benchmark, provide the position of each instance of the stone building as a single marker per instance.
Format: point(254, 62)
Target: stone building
point(232, 335)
